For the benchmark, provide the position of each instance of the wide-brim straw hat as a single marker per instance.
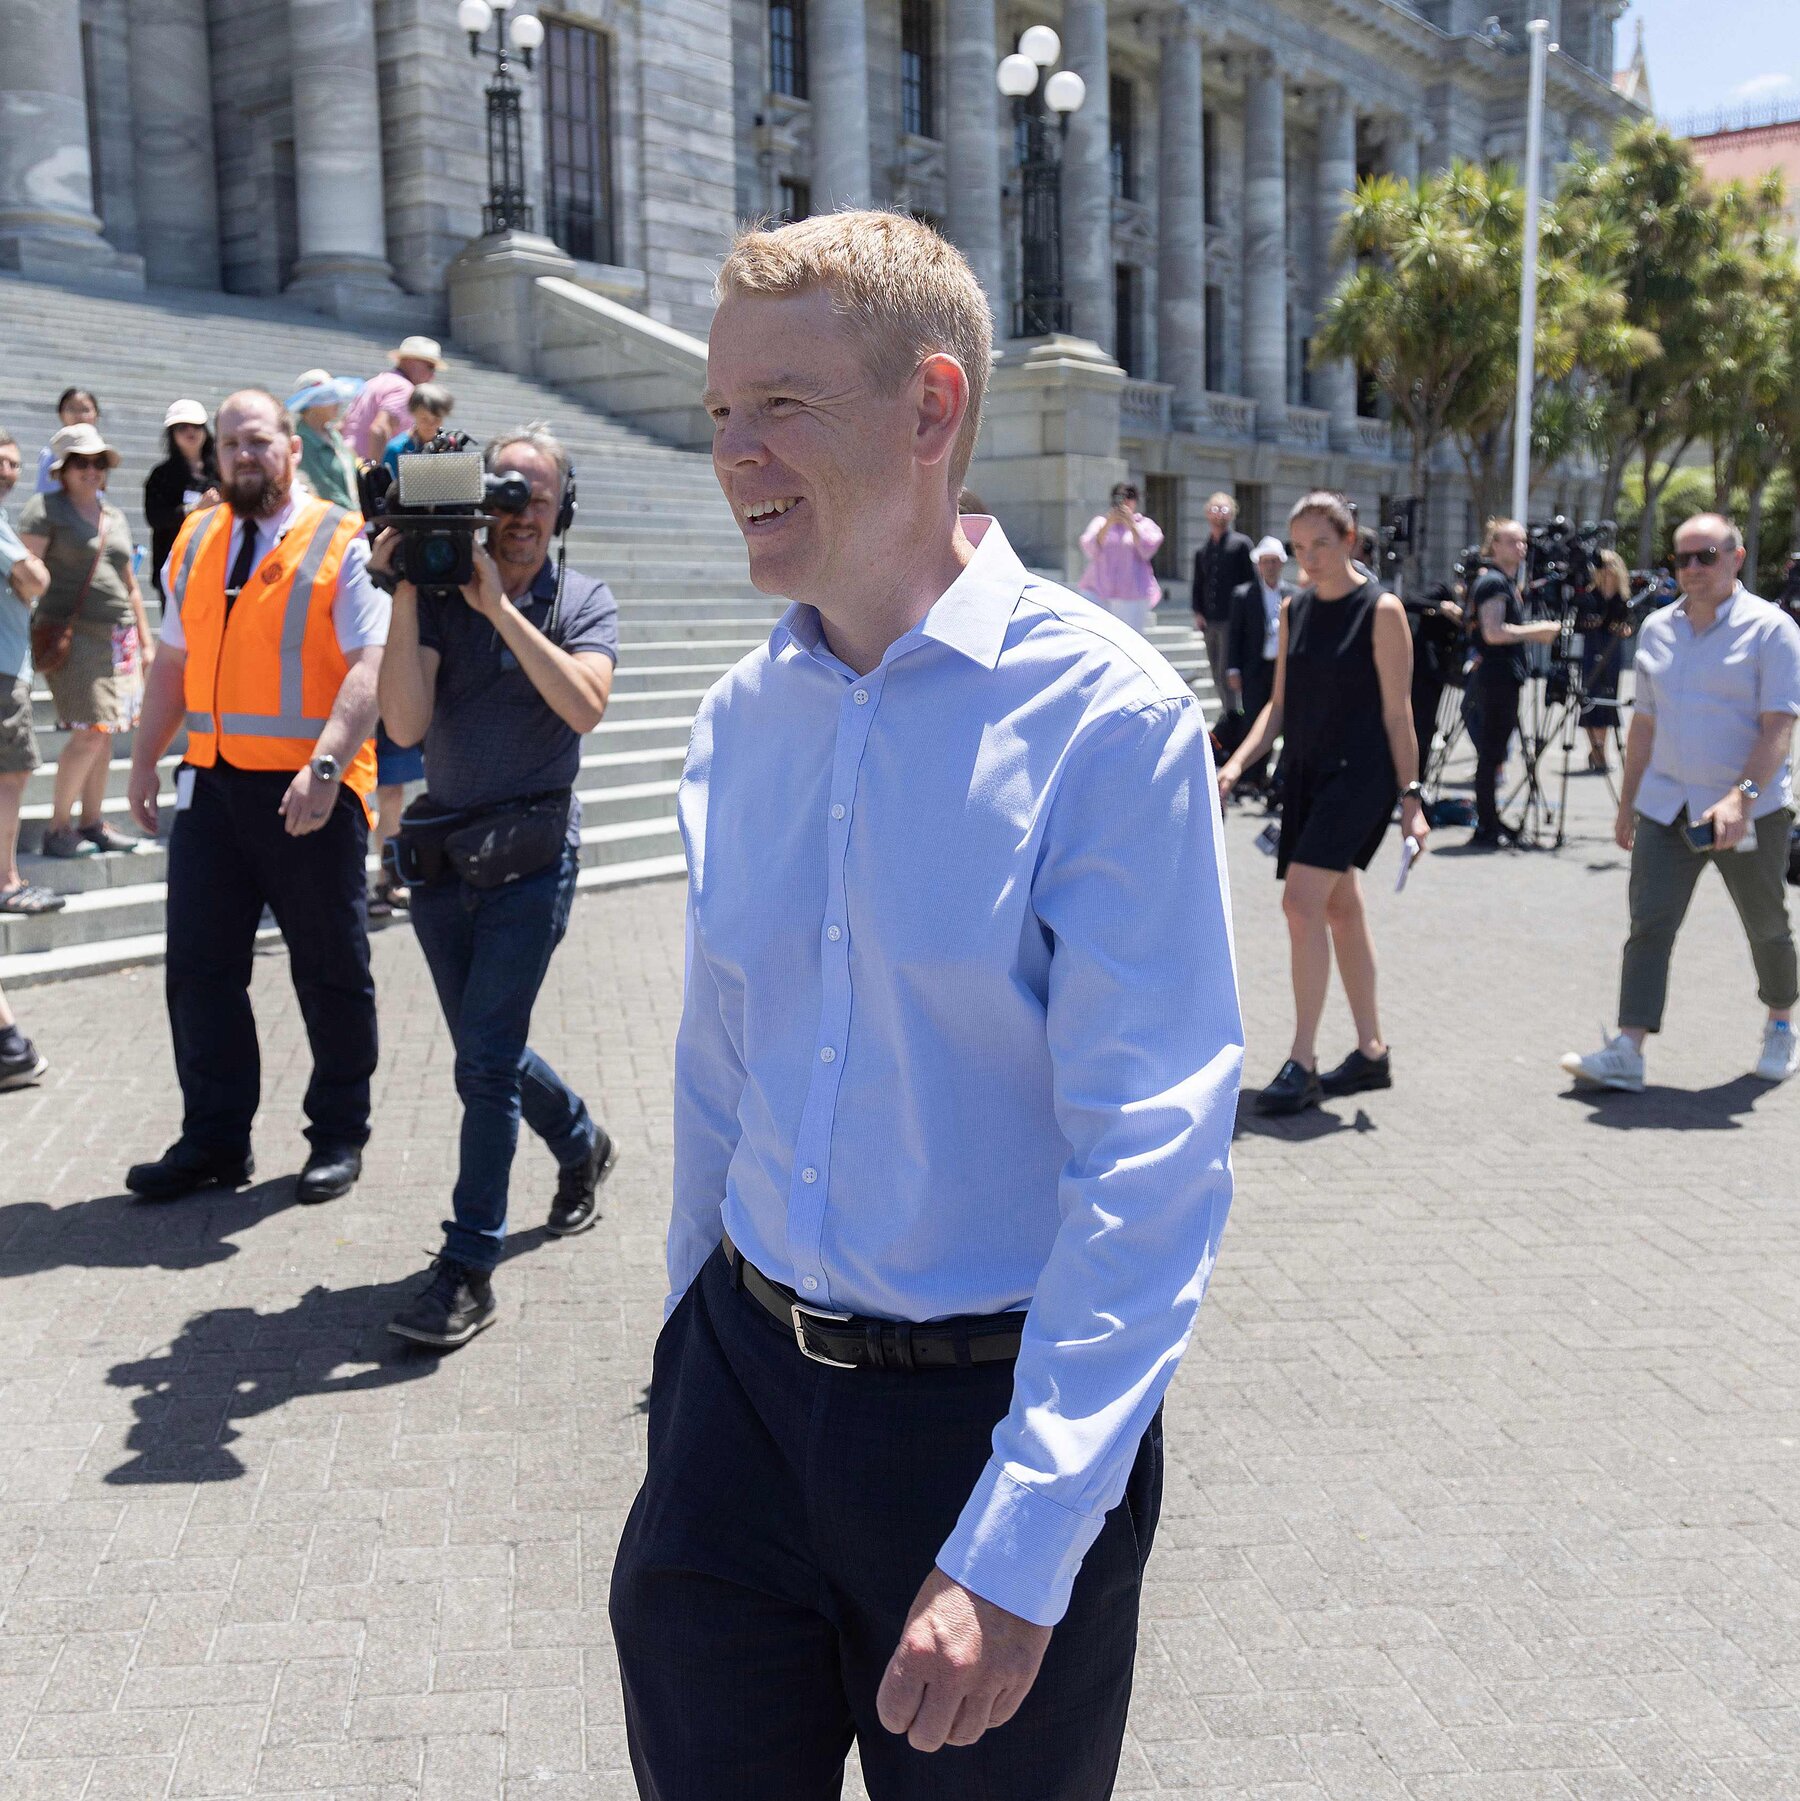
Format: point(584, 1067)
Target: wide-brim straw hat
point(319, 387)
point(80, 441)
point(184, 412)
point(426, 350)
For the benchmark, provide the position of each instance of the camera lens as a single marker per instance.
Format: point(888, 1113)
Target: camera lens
point(437, 557)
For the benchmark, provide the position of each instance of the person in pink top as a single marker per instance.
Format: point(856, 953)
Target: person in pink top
point(1119, 545)
point(379, 411)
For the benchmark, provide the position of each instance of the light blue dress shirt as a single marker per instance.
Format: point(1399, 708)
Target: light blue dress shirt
point(961, 1026)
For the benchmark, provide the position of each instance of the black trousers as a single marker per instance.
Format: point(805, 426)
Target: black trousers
point(229, 856)
point(789, 1515)
point(1493, 714)
point(1259, 684)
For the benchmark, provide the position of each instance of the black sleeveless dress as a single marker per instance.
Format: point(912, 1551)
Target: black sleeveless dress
point(1339, 785)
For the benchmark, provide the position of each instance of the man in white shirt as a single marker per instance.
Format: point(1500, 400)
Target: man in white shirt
point(1707, 779)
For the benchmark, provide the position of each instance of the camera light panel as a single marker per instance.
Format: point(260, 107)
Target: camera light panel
point(443, 478)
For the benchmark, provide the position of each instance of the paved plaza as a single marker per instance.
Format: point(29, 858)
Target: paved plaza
point(1484, 1469)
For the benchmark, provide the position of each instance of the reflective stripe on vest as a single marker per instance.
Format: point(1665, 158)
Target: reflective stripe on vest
point(178, 591)
point(290, 722)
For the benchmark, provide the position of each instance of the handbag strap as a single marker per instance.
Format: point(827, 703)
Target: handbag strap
point(81, 594)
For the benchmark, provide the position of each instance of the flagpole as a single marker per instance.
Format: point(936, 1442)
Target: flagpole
point(1539, 30)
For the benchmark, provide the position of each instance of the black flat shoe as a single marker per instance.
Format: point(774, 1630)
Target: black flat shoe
point(1294, 1089)
point(457, 1303)
point(186, 1169)
point(330, 1172)
point(577, 1203)
point(1357, 1073)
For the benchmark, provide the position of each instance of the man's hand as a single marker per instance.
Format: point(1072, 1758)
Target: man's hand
point(29, 578)
point(484, 593)
point(1625, 828)
point(962, 1666)
point(383, 551)
point(1730, 820)
point(308, 803)
point(142, 792)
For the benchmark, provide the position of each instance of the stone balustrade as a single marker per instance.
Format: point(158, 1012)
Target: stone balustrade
point(1374, 437)
point(1231, 415)
point(1310, 426)
point(1144, 409)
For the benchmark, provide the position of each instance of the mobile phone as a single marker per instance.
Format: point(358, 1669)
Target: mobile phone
point(1700, 836)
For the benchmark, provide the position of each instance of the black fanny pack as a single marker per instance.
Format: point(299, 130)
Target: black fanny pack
point(486, 848)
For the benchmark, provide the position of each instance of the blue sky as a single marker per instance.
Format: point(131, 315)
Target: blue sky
point(1708, 53)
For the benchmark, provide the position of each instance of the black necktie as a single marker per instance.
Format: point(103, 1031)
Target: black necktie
point(242, 564)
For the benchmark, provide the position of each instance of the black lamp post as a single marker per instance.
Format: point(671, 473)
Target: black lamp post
point(1041, 113)
point(507, 208)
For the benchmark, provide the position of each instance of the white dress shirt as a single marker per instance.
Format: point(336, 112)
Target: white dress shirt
point(359, 610)
point(961, 1031)
point(1271, 599)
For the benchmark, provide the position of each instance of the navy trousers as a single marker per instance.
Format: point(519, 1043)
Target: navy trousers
point(230, 855)
point(790, 1513)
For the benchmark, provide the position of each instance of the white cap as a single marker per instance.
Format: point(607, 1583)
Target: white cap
point(184, 412)
point(1269, 547)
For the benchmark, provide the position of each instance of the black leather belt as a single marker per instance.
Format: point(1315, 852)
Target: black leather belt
point(848, 1341)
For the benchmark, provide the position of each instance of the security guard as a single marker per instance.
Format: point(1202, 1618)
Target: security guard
point(270, 649)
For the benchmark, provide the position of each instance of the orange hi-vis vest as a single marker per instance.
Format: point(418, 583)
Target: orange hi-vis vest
point(263, 673)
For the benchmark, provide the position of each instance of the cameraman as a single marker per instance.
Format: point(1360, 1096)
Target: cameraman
point(1499, 674)
point(500, 684)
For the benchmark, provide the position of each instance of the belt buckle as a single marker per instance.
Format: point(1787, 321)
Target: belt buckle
point(795, 1311)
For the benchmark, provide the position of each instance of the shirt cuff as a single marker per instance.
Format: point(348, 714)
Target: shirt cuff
point(1017, 1548)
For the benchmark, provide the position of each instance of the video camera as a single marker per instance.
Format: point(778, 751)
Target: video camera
point(439, 499)
point(1395, 536)
point(1563, 555)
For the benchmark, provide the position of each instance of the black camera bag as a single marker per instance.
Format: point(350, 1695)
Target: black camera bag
point(486, 849)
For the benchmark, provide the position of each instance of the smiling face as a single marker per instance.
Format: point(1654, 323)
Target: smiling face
point(823, 470)
point(82, 477)
point(521, 541)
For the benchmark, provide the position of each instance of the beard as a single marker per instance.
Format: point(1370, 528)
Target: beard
point(253, 494)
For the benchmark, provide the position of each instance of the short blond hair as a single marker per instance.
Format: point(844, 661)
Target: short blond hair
point(906, 291)
point(1221, 498)
point(1495, 526)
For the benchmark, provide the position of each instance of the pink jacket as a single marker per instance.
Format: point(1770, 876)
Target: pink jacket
point(1117, 568)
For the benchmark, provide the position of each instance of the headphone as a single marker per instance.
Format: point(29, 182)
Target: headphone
point(565, 510)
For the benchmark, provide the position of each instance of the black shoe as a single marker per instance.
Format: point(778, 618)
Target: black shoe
point(1356, 1073)
point(331, 1171)
point(20, 1063)
point(1294, 1089)
point(186, 1168)
point(1489, 838)
point(577, 1206)
point(457, 1303)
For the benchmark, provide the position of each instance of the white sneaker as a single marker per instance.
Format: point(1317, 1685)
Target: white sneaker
point(1780, 1052)
point(1620, 1064)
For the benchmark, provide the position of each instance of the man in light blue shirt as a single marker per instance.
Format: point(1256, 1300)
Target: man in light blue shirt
point(955, 1083)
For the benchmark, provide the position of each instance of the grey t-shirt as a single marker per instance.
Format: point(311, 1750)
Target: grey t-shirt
point(493, 737)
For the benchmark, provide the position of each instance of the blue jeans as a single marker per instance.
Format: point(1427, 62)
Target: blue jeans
point(489, 951)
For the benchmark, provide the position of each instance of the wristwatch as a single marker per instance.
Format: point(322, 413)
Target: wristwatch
point(324, 768)
point(1413, 791)
point(1750, 790)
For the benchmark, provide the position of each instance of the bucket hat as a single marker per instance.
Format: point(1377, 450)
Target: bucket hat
point(80, 441)
point(427, 350)
point(319, 387)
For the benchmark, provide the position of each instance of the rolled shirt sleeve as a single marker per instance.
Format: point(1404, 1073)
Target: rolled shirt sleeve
point(1778, 673)
point(1146, 1046)
point(360, 611)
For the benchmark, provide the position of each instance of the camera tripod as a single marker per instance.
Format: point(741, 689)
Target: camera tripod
point(1555, 721)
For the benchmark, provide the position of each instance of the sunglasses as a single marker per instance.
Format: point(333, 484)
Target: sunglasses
point(1704, 559)
point(84, 462)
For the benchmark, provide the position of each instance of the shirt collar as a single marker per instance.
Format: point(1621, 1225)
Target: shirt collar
point(1719, 617)
point(272, 528)
point(971, 616)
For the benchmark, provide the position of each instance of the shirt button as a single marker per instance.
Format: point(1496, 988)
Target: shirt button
point(828, 1055)
point(861, 697)
point(834, 933)
point(809, 1174)
point(810, 1284)
point(837, 812)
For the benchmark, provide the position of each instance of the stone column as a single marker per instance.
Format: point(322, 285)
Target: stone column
point(1181, 220)
point(1401, 145)
point(48, 226)
point(172, 105)
point(1087, 178)
point(1265, 244)
point(972, 142)
point(838, 50)
point(1334, 383)
point(340, 194)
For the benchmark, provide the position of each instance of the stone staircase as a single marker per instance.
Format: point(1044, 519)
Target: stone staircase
point(651, 521)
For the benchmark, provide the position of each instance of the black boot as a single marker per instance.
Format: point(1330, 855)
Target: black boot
point(457, 1303)
point(1294, 1089)
point(331, 1170)
point(186, 1168)
point(1357, 1073)
point(577, 1204)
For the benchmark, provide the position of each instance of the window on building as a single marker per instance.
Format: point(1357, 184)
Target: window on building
point(1215, 339)
point(284, 210)
point(787, 47)
point(1209, 168)
point(1368, 395)
point(1123, 126)
point(918, 84)
point(1127, 338)
point(1162, 501)
point(578, 140)
point(1253, 508)
point(796, 200)
point(1303, 357)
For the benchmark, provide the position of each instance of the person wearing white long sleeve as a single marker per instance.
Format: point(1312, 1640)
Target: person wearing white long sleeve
point(955, 1085)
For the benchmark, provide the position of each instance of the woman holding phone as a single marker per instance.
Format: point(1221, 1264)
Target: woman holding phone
point(1119, 545)
point(1343, 700)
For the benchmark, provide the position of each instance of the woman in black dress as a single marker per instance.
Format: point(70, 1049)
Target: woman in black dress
point(188, 477)
point(1343, 696)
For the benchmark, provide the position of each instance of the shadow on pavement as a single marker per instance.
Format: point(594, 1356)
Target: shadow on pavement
point(118, 1231)
point(1717, 1109)
point(1295, 1128)
point(234, 1363)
